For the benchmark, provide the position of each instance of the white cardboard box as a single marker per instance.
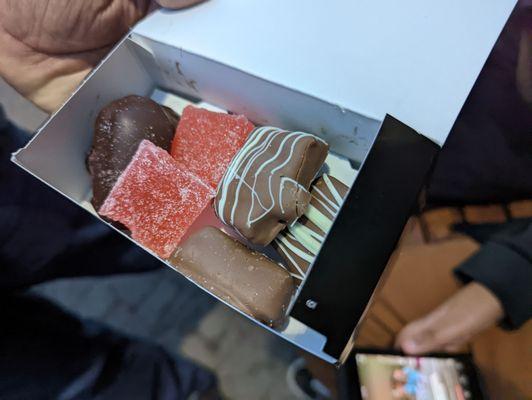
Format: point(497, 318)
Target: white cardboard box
point(333, 69)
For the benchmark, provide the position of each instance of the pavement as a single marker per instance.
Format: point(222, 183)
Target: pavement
point(163, 307)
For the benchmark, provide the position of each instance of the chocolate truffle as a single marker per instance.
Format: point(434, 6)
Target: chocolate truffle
point(266, 185)
point(299, 244)
point(244, 278)
point(119, 129)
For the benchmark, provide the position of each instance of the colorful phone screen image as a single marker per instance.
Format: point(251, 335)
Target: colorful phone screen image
point(393, 377)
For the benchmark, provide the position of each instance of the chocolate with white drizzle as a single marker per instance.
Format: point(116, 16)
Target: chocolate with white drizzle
point(300, 242)
point(266, 185)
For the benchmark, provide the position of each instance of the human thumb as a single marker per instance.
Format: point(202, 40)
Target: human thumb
point(471, 310)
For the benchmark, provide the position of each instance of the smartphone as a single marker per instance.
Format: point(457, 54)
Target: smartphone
point(378, 375)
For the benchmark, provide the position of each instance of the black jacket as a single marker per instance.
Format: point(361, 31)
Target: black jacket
point(504, 265)
point(488, 158)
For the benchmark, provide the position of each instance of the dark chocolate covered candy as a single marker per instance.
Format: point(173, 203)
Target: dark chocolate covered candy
point(244, 278)
point(266, 185)
point(119, 129)
point(299, 243)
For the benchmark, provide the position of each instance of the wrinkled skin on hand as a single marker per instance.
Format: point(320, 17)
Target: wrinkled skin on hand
point(48, 46)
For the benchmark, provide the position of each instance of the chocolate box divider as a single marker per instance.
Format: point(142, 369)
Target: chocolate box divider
point(138, 65)
point(375, 212)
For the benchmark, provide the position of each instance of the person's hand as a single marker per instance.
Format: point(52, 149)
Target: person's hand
point(48, 46)
point(447, 328)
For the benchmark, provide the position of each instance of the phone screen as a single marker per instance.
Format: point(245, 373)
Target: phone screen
point(394, 377)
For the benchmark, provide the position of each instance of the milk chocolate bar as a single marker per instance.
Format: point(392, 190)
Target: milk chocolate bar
point(244, 278)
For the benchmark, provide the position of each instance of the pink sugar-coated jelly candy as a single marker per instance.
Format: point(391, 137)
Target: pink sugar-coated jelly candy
point(157, 199)
point(206, 141)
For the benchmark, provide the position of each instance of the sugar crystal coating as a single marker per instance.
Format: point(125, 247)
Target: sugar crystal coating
point(206, 141)
point(157, 199)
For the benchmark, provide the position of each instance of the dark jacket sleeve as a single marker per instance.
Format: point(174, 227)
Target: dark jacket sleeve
point(45, 236)
point(504, 265)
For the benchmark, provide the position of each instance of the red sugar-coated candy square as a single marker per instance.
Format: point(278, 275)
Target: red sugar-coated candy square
point(157, 199)
point(206, 141)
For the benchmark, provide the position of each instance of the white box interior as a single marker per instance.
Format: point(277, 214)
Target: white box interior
point(414, 59)
point(57, 154)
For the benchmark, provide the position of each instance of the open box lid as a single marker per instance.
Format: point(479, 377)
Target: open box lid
point(413, 59)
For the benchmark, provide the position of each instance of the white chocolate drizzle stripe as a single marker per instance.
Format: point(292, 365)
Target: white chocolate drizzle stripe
point(245, 159)
point(297, 251)
point(310, 231)
point(320, 220)
point(270, 189)
point(297, 276)
point(284, 249)
point(331, 203)
point(308, 238)
point(260, 150)
point(333, 190)
point(247, 168)
point(250, 189)
point(302, 234)
point(331, 212)
point(286, 245)
point(231, 171)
